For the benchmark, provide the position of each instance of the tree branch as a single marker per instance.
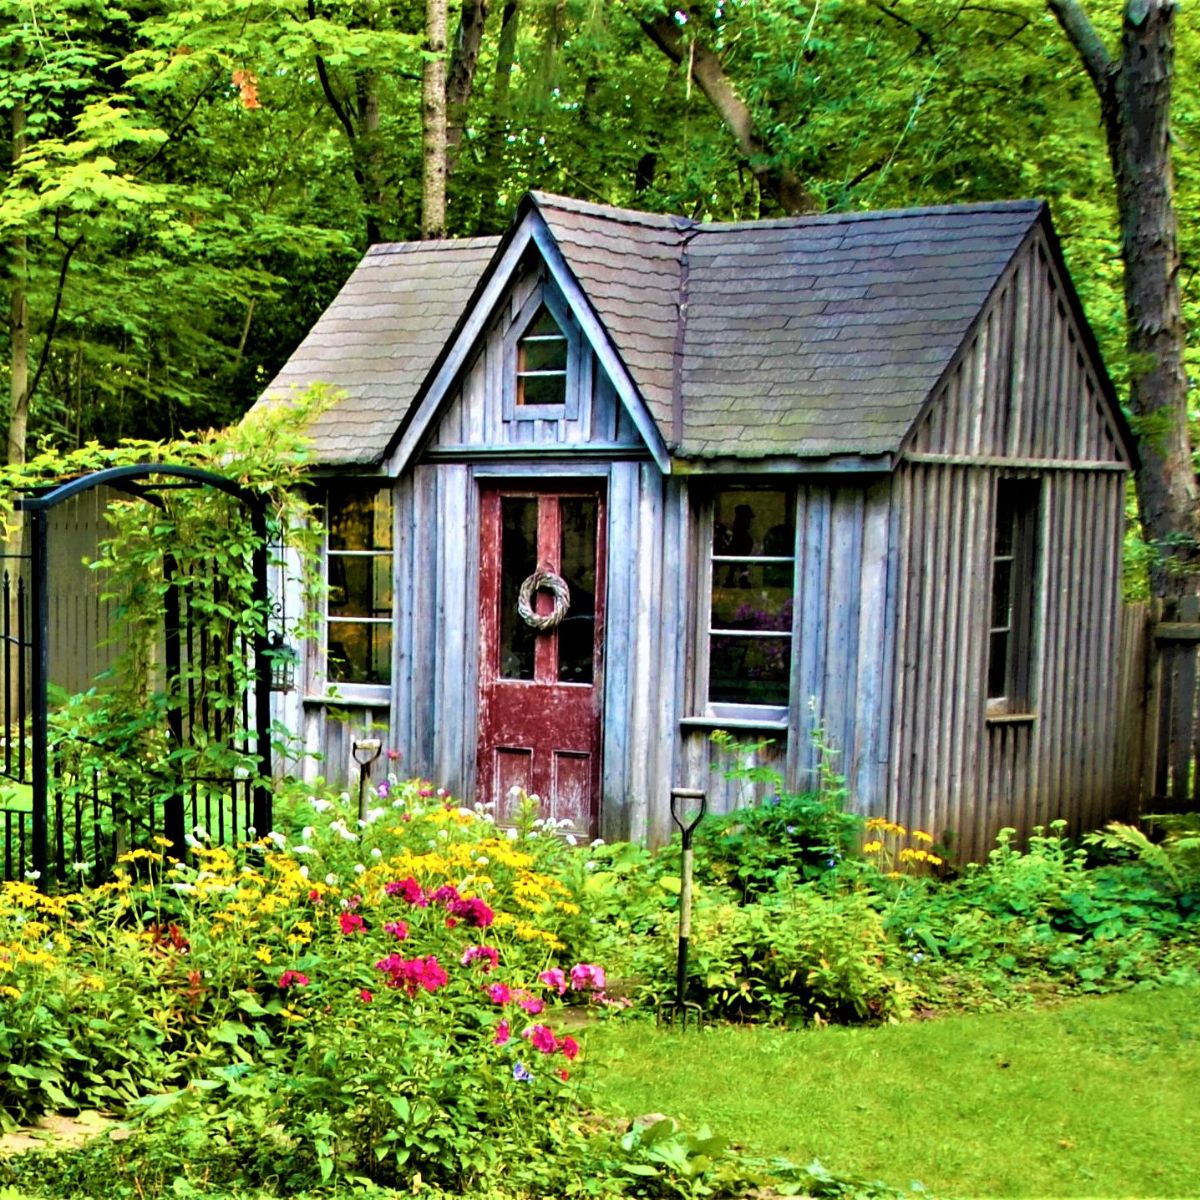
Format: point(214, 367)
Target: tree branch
point(706, 69)
point(339, 110)
point(52, 328)
point(926, 41)
point(1081, 33)
point(460, 79)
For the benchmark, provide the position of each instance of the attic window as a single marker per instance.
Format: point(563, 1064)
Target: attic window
point(542, 356)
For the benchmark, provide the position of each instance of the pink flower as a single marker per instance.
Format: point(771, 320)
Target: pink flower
point(411, 974)
point(446, 895)
point(488, 957)
point(541, 1037)
point(503, 1033)
point(451, 922)
point(587, 977)
point(564, 1075)
point(407, 889)
point(474, 912)
point(384, 790)
point(531, 1004)
point(570, 1048)
point(499, 993)
point(352, 923)
point(554, 978)
point(292, 978)
point(397, 929)
point(314, 896)
point(394, 756)
point(366, 995)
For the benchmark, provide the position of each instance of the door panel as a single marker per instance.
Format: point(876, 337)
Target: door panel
point(540, 689)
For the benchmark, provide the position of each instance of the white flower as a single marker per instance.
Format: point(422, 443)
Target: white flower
point(443, 834)
point(597, 842)
point(376, 852)
point(302, 849)
point(82, 866)
point(571, 840)
point(359, 868)
point(201, 833)
point(192, 842)
point(442, 792)
point(482, 860)
point(345, 797)
point(277, 838)
point(33, 876)
point(321, 804)
point(307, 832)
point(331, 879)
point(539, 822)
point(251, 831)
point(304, 871)
point(180, 886)
point(373, 814)
point(398, 803)
point(339, 827)
point(515, 790)
point(465, 812)
point(511, 834)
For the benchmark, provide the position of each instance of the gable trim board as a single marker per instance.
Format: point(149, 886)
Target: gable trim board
point(700, 342)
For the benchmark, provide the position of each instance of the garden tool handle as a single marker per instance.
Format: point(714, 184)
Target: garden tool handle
point(688, 828)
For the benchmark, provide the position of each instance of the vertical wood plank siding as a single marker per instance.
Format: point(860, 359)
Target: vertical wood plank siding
point(1021, 390)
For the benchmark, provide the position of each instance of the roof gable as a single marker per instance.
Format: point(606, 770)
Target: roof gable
point(803, 339)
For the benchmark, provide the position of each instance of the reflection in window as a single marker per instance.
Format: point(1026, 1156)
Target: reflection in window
point(576, 634)
point(518, 560)
point(542, 362)
point(752, 596)
point(358, 632)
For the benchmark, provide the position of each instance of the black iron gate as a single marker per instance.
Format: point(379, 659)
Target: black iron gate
point(66, 811)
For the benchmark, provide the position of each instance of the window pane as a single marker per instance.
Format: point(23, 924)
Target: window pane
point(1001, 591)
point(360, 520)
point(749, 670)
point(543, 325)
point(997, 684)
point(541, 389)
point(576, 634)
point(754, 523)
point(542, 354)
point(518, 559)
point(360, 586)
point(359, 652)
point(743, 597)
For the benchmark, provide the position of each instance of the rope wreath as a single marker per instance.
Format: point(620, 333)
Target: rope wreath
point(543, 579)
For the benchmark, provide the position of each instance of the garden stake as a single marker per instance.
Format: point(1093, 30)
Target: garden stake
point(686, 829)
point(365, 753)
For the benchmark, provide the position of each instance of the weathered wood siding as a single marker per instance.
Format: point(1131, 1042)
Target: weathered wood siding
point(1022, 399)
point(955, 771)
point(1022, 387)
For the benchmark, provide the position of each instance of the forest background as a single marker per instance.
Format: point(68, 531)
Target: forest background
point(187, 185)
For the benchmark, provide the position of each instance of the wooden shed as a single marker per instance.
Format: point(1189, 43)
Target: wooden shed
point(863, 472)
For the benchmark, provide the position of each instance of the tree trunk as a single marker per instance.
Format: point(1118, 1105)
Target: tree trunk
point(433, 123)
point(461, 79)
point(18, 315)
point(704, 66)
point(1135, 103)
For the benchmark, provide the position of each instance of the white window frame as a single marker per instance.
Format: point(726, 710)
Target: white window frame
point(716, 712)
point(338, 690)
point(576, 383)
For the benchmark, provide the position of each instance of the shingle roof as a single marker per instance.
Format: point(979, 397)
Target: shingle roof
point(803, 337)
point(378, 340)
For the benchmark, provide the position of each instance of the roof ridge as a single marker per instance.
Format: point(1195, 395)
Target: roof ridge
point(1031, 206)
point(612, 212)
point(377, 248)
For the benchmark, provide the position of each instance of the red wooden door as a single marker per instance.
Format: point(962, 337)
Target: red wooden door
point(539, 727)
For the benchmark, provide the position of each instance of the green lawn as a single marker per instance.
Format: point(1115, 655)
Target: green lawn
point(1098, 1097)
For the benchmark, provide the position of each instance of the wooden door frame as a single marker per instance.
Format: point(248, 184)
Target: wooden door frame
point(490, 490)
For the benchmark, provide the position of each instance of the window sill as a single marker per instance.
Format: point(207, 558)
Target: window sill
point(1025, 718)
point(771, 724)
point(355, 696)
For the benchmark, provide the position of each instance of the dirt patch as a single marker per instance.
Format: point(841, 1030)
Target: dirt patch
point(56, 1132)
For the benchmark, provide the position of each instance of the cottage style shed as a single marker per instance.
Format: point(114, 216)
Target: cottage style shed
point(862, 473)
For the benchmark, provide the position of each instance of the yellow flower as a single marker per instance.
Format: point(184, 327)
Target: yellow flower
point(134, 855)
point(15, 993)
point(873, 847)
point(933, 858)
point(922, 836)
point(877, 823)
point(164, 842)
point(263, 954)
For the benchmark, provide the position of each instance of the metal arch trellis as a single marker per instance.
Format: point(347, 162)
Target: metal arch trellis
point(33, 638)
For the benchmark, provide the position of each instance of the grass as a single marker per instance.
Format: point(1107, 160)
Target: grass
point(1098, 1097)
